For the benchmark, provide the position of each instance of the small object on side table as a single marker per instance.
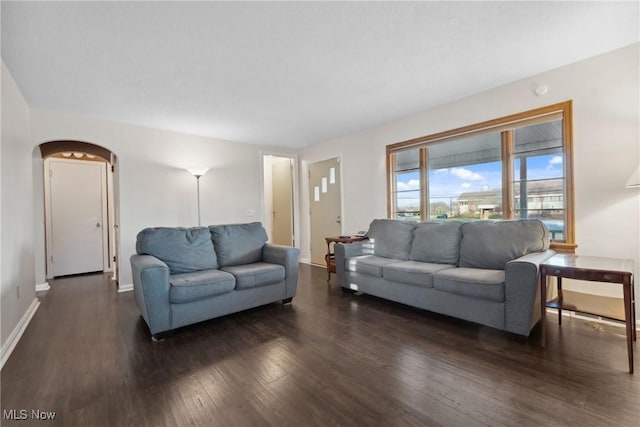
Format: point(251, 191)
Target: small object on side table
point(595, 269)
point(330, 257)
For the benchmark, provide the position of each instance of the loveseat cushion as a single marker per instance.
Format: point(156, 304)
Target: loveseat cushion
point(187, 287)
point(391, 238)
point(238, 244)
point(472, 282)
point(182, 249)
point(436, 242)
point(255, 275)
point(489, 244)
point(368, 264)
point(412, 272)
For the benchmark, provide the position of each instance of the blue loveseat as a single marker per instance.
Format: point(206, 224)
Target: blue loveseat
point(186, 275)
point(486, 272)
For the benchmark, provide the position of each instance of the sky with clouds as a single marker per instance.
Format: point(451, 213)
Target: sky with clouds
point(447, 184)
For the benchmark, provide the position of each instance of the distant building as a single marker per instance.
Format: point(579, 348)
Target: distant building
point(544, 199)
point(482, 203)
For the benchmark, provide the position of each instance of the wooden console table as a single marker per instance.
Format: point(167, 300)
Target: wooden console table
point(330, 258)
point(595, 269)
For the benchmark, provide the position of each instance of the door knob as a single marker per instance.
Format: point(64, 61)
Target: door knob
point(97, 225)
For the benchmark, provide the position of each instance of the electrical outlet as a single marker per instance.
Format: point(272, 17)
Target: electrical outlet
point(251, 212)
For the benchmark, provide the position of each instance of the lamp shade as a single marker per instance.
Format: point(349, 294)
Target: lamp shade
point(197, 172)
point(634, 180)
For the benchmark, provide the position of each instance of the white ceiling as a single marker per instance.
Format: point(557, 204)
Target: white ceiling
point(290, 74)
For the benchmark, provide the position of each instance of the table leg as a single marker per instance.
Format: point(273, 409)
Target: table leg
point(628, 313)
point(633, 309)
point(327, 260)
point(543, 309)
point(560, 299)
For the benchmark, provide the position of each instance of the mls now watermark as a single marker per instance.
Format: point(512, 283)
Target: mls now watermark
point(25, 414)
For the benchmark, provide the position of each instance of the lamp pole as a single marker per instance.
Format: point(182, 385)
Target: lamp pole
point(198, 188)
point(198, 172)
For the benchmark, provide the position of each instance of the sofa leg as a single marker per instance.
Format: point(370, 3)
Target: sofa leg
point(287, 301)
point(347, 290)
point(160, 336)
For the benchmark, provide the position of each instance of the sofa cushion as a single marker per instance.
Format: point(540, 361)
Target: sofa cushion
point(437, 242)
point(238, 244)
point(182, 249)
point(255, 275)
point(412, 272)
point(391, 238)
point(368, 264)
point(489, 244)
point(187, 287)
point(472, 282)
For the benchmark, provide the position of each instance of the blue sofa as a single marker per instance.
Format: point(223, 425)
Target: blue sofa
point(186, 275)
point(484, 271)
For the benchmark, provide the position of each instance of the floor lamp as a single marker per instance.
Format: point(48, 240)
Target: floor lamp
point(198, 172)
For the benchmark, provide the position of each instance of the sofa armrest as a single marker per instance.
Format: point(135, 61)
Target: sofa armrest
point(151, 291)
point(288, 257)
point(522, 292)
point(343, 251)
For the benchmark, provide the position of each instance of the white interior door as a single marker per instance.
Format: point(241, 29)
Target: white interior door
point(325, 202)
point(76, 216)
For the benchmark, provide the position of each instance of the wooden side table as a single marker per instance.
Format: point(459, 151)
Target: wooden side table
point(595, 269)
point(330, 258)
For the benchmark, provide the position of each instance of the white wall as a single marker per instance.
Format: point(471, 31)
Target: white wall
point(605, 94)
point(17, 268)
point(154, 187)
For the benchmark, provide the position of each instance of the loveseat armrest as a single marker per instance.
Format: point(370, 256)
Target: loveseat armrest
point(289, 258)
point(343, 251)
point(151, 291)
point(522, 291)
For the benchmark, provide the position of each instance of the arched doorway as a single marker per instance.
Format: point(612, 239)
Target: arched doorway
point(70, 248)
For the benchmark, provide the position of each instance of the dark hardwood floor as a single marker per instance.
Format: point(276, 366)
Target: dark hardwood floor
point(328, 359)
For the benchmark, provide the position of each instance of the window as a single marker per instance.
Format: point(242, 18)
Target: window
point(538, 185)
point(465, 178)
point(514, 167)
point(406, 188)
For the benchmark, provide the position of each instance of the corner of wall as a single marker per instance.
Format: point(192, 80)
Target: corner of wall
point(16, 334)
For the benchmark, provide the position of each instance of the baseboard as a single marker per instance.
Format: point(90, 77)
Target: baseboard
point(308, 262)
point(43, 287)
point(15, 336)
point(593, 318)
point(125, 288)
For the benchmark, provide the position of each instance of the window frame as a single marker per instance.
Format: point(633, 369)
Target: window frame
point(506, 126)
